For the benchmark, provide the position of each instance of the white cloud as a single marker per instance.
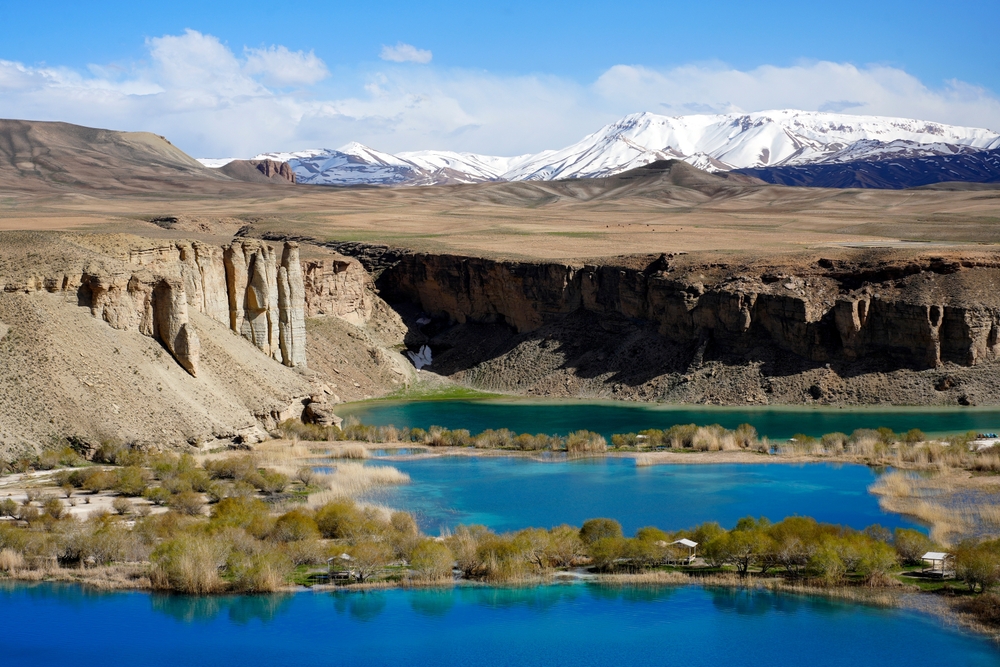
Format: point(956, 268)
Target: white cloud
point(876, 90)
point(211, 102)
point(405, 53)
point(280, 67)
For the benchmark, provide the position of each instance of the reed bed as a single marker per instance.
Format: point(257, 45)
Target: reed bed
point(654, 578)
point(351, 479)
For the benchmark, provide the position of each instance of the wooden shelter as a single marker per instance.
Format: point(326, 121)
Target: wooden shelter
point(939, 562)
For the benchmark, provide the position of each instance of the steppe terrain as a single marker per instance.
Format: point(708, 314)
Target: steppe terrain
point(715, 288)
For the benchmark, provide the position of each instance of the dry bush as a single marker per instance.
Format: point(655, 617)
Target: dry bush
point(11, 561)
point(122, 505)
point(279, 454)
point(189, 564)
point(706, 439)
point(585, 442)
point(349, 451)
point(643, 460)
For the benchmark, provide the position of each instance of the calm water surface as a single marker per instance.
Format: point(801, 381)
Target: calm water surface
point(509, 493)
point(561, 417)
point(579, 625)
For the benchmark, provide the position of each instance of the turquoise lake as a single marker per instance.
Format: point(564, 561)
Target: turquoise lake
point(607, 418)
point(509, 493)
point(578, 625)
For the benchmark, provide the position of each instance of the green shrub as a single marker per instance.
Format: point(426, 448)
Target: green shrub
point(625, 440)
point(295, 525)
point(597, 529)
point(337, 519)
point(605, 551)
point(53, 507)
point(157, 495)
point(978, 564)
point(250, 514)
point(271, 481)
point(8, 507)
point(911, 544)
point(100, 480)
point(130, 481)
point(262, 572)
point(431, 561)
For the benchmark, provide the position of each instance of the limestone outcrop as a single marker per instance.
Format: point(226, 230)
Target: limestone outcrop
point(246, 286)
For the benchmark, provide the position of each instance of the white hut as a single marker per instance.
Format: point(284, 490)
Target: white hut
point(690, 545)
point(938, 562)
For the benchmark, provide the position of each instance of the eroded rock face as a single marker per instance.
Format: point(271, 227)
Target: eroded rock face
point(274, 169)
point(152, 304)
point(340, 287)
point(244, 286)
point(924, 314)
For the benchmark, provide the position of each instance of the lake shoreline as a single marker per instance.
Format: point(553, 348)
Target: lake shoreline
point(134, 578)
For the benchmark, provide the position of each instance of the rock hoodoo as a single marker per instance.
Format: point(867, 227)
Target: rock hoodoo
point(245, 286)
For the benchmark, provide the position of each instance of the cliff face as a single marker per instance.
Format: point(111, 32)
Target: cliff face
point(172, 342)
point(919, 314)
point(244, 285)
point(340, 287)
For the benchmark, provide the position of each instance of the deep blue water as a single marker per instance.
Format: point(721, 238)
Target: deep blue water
point(508, 493)
point(578, 625)
point(607, 418)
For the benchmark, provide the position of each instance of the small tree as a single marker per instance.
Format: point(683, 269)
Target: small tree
point(564, 546)
point(911, 544)
point(368, 559)
point(978, 565)
point(877, 562)
point(53, 507)
point(8, 507)
point(431, 561)
point(597, 529)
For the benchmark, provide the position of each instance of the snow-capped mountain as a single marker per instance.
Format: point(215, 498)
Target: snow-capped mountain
point(710, 142)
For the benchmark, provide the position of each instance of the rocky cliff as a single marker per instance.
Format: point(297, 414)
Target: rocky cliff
point(169, 342)
point(259, 292)
point(244, 285)
point(259, 171)
point(852, 313)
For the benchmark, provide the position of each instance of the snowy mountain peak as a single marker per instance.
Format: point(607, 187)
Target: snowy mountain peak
point(717, 142)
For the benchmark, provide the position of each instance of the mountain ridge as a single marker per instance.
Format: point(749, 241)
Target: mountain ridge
point(723, 142)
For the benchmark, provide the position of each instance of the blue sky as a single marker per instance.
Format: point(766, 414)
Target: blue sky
point(241, 77)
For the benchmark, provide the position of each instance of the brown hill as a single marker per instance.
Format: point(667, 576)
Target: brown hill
point(44, 157)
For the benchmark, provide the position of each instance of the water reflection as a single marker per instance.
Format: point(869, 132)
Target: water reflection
point(240, 609)
point(432, 602)
point(635, 594)
point(362, 606)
